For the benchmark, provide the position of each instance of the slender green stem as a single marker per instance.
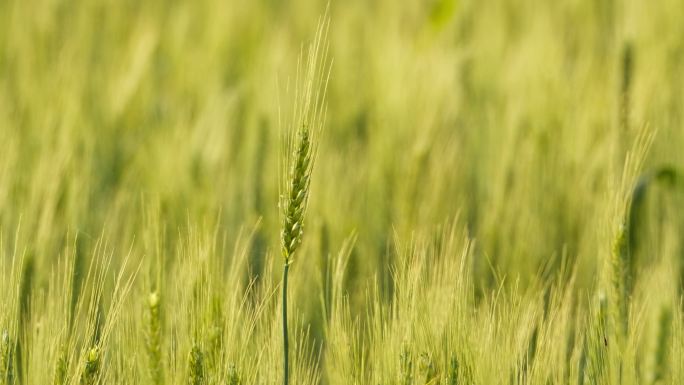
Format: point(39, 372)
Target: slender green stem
point(286, 345)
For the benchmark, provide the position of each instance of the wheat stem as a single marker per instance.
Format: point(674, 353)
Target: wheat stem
point(286, 344)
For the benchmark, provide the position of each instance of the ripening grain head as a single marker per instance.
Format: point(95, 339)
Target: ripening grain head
point(302, 137)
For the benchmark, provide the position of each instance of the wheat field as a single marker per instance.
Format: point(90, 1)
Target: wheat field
point(388, 192)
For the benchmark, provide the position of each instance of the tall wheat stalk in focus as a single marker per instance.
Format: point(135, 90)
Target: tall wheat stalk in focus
point(300, 144)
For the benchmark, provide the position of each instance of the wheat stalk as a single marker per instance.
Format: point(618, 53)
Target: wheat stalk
point(622, 274)
point(301, 149)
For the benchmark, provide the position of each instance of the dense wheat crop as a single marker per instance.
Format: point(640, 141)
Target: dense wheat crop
point(456, 192)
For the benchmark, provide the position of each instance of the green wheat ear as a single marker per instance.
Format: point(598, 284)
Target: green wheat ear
point(625, 245)
point(297, 195)
point(91, 370)
point(196, 366)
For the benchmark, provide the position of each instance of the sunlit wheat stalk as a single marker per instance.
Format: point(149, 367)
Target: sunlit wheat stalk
point(301, 149)
point(293, 225)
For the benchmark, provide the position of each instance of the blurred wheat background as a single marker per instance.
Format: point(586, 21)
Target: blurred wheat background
point(496, 199)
